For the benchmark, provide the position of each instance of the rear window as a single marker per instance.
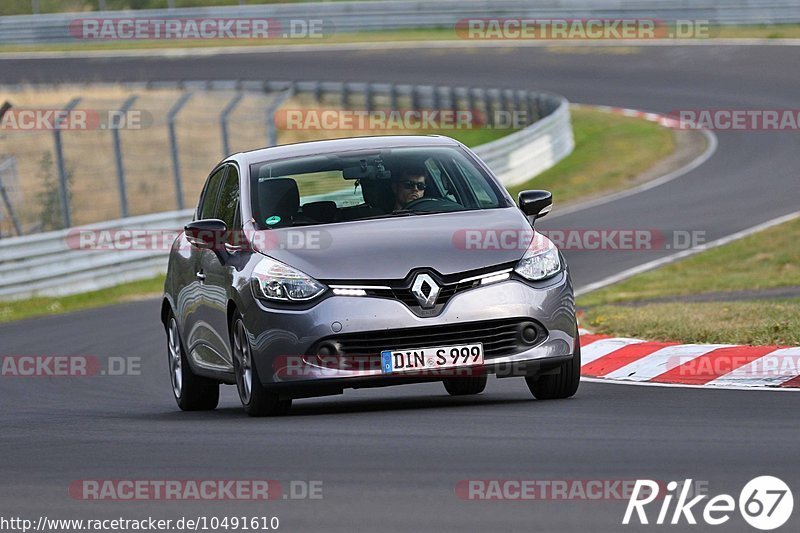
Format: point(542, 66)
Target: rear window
point(364, 185)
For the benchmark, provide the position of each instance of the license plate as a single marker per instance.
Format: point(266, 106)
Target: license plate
point(437, 357)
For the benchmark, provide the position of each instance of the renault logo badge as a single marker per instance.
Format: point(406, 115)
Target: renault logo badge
point(425, 290)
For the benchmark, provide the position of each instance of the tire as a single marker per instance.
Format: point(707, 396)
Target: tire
point(191, 392)
point(465, 386)
point(561, 385)
point(256, 399)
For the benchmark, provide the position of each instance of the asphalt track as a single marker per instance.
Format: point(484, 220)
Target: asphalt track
point(390, 459)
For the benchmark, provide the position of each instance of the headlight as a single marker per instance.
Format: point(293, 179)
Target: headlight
point(276, 281)
point(540, 260)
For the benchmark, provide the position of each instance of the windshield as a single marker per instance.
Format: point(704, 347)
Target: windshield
point(363, 185)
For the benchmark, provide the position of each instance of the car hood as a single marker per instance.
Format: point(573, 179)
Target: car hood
point(390, 248)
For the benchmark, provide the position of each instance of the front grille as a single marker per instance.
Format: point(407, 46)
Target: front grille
point(499, 337)
point(404, 293)
point(400, 289)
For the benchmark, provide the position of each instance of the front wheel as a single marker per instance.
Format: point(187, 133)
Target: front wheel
point(561, 385)
point(191, 392)
point(256, 399)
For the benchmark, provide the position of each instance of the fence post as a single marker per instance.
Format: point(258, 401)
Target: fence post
point(123, 191)
point(503, 105)
point(517, 109)
point(487, 105)
point(471, 99)
point(11, 164)
point(62, 169)
point(529, 106)
point(415, 98)
point(223, 122)
point(173, 143)
point(318, 92)
point(368, 97)
point(272, 132)
point(345, 95)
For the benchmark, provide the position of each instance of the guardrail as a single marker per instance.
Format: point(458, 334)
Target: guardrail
point(55, 264)
point(345, 17)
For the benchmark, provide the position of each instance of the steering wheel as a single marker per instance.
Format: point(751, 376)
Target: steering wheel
point(433, 204)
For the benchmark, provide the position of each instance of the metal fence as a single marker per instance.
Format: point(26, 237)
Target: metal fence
point(345, 17)
point(51, 264)
point(157, 160)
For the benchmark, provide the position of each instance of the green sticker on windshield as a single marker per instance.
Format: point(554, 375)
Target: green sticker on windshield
point(274, 219)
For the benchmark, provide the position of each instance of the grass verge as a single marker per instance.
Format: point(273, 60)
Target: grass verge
point(753, 322)
point(610, 152)
point(765, 260)
point(33, 307)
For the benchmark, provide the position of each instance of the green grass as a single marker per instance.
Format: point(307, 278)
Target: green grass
point(768, 259)
point(610, 151)
point(753, 322)
point(33, 307)
point(765, 260)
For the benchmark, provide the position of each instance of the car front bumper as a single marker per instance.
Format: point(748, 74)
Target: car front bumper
point(284, 340)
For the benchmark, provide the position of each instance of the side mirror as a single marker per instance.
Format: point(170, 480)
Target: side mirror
point(535, 204)
point(208, 234)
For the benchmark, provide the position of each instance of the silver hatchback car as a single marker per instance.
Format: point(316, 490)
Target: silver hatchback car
point(316, 267)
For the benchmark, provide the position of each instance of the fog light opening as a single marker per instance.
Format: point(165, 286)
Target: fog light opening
point(529, 333)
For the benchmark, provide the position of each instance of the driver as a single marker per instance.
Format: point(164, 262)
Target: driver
point(409, 187)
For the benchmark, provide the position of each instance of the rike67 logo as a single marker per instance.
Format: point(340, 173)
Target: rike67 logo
point(765, 503)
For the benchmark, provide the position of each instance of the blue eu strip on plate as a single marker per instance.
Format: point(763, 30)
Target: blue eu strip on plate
point(386, 361)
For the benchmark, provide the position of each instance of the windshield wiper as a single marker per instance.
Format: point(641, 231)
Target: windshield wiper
point(398, 213)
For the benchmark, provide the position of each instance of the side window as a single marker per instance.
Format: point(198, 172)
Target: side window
point(479, 186)
point(441, 180)
point(209, 200)
point(229, 198)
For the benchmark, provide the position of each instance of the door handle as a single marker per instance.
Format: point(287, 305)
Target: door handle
point(200, 276)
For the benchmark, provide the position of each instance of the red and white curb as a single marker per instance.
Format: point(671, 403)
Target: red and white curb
point(707, 365)
point(664, 120)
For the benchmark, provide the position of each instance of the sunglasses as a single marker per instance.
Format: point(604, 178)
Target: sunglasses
point(411, 185)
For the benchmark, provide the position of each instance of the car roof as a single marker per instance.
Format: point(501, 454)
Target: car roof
point(332, 146)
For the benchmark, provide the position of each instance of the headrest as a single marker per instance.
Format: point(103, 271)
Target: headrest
point(378, 193)
point(279, 201)
point(320, 211)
